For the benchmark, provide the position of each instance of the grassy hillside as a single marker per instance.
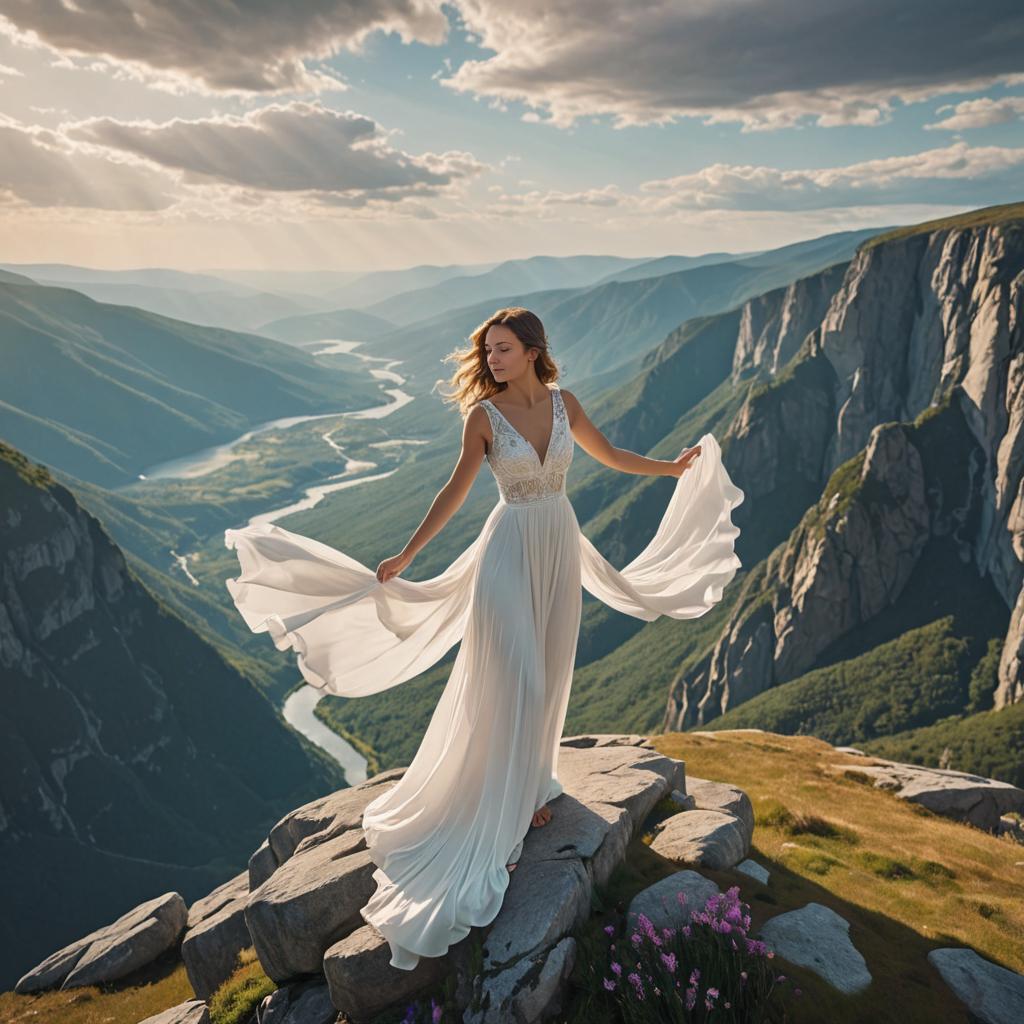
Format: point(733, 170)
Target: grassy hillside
point(1005, 213)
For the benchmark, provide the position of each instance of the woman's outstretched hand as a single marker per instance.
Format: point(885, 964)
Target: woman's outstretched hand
point(686, 459)
point(393, 566)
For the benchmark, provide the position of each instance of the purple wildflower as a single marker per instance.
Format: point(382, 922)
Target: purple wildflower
point(669, 960)
point(609, 929)
point(609, 984)
point(617, 969)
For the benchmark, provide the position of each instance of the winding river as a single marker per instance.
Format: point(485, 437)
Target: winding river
point(298, 709)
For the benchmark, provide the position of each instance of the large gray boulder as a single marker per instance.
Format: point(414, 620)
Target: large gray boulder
point(362, 981)
point(713, 839)
point(135, 939)
point(661, 905)
point(818, 938)
point(216, 934)
point(993, 994)
point(308, 903)
point(720, 796)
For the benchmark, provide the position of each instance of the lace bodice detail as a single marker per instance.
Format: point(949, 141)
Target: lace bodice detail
point(522, 478)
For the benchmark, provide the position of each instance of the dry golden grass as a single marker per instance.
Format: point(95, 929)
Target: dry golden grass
point(125, 1002)
point(907, 880)
point(133, 998)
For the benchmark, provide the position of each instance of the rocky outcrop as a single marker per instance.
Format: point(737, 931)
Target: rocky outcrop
point(610, 786)
point(922, 324)
point(132, 941)
point(973, 799)
point(849, 558)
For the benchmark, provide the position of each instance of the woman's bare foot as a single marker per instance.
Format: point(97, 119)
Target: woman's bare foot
point(540, 818)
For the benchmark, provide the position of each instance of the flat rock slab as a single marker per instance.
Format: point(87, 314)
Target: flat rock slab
point(661, 905)
point(714, 839)
point(974, 799)
point(993, 994)
point(206, 907)
point(530, 991)
point(609, 785)
point(816, 937)
point(193, 1011)
point(115, 950)
point(607, 739)
point(720, 796)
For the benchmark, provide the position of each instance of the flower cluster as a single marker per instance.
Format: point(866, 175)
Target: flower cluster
point(707, 968)
point(434, 1016)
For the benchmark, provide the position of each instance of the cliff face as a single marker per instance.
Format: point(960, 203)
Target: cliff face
point(921, 328)
point(131, 753)
point(773, 326)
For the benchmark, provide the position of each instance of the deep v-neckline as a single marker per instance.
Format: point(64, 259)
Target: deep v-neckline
point(551, 436)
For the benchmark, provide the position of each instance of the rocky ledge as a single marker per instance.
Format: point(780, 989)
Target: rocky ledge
point(298, 906)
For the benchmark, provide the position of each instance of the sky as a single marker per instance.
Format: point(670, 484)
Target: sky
point(358, 135)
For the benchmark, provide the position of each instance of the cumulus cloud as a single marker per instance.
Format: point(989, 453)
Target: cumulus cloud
point(980, 113)
point(41, 168)
point(245, 45)
point(954, 175)
point(285, 148)
point(761, 63)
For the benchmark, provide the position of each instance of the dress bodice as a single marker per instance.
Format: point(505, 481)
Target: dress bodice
point(522, 477)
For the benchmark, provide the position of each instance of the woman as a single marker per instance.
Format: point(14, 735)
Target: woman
point(446, 836)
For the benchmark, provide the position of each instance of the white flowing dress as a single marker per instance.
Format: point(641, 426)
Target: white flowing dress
point(441, 836)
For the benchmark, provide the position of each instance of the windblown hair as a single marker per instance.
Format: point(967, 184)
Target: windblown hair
point(473, 380)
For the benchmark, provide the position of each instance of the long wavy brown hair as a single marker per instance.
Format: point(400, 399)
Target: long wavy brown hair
point(473, 380)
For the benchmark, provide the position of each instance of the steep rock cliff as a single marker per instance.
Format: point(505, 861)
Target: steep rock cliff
point(921, 324)
point(132, 754)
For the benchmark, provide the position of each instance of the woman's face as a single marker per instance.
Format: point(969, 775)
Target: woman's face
point(507, 357)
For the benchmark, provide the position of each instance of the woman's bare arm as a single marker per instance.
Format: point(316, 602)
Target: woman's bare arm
point(476, 433)
point(595, 444)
